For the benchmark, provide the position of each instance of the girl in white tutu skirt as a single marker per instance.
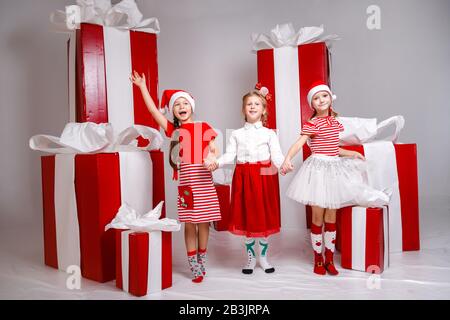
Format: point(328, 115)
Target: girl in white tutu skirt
point(331, 178)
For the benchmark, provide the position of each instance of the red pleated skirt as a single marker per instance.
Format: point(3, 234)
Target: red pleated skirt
point(255, 200)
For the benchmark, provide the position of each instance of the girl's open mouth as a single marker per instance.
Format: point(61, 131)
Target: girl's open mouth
point(183, 113)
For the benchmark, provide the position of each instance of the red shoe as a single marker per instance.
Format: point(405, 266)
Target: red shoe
point(197, 279)
point(329, 266)
point(319, 268)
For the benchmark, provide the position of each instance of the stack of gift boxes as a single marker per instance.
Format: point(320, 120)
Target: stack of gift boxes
point(82, 193)
point(365, 236)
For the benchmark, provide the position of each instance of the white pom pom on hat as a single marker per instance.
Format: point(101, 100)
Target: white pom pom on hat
point(170, 96)
point(317, 87)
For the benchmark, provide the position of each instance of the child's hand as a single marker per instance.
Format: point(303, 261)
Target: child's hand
point(137, 79)
point(358, 155)
point(214, 166)
point(210, 164)
point(286, 167)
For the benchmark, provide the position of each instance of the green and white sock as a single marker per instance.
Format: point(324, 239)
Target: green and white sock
point(251, 256)
point(263, 248)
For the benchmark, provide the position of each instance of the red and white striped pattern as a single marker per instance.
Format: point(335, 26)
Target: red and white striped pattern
point(82, 194)
point(396, 165)
point(206, 203)
point(143, 261)
point(101, 60)
point(364, 238)
point(324, 133)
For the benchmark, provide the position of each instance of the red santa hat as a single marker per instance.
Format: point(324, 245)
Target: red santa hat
point(317, 87)
point(169, 96)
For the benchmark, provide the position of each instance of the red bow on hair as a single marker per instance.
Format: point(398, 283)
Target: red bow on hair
point(263, 91)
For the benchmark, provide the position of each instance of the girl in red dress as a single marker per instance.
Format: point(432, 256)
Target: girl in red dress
point(192, 142)
point(255, 197)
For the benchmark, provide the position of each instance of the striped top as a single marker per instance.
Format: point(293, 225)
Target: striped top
point(324, 135)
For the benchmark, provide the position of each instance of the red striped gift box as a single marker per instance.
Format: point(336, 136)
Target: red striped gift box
point(82, 194)
point(364, 238)
point(143, 261)
point(101, 60)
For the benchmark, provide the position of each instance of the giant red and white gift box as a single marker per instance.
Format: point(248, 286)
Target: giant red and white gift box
point(288, 72)
point(399, 163)
point(82, 194)
point(101, 60)
point(363, 238)
point(143, 261)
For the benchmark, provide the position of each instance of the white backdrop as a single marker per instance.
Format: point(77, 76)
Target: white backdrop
point(205, 47)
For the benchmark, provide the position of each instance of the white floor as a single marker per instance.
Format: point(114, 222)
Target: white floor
point(423, 274)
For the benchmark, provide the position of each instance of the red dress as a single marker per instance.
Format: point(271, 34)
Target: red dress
point(203, 203)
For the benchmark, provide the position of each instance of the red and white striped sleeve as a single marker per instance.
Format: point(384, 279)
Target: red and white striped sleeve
point(310, 129)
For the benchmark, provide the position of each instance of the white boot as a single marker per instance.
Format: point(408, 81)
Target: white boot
point(263, 247)
point(251, 256)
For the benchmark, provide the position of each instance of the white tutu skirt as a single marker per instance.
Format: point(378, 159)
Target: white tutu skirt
point(333, 183)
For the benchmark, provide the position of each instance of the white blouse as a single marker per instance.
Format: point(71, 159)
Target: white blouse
point(252, 143)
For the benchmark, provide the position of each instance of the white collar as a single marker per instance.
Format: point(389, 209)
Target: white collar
point(255, 125)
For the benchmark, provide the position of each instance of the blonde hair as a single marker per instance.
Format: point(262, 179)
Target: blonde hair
point(256, 93)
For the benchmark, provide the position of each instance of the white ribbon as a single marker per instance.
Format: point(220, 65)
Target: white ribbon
point(128, 218)
point(66, 218)
point(288, 115)
point(123, 15)
point(359, 238)
point(377, 140)
point(362, 130)
point(89, 137)
point(284, 35)
point(382, 175)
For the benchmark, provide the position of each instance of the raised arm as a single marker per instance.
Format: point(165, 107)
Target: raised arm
point(139, 81)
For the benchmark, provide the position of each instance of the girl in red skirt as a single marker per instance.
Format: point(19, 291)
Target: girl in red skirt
point(255, 197)
point(192, 142)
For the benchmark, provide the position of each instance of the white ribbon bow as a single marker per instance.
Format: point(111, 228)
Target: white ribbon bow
point(123, 15)
point(128, 218)
point(89, 137)
point(284, 35)
point(361, 130)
